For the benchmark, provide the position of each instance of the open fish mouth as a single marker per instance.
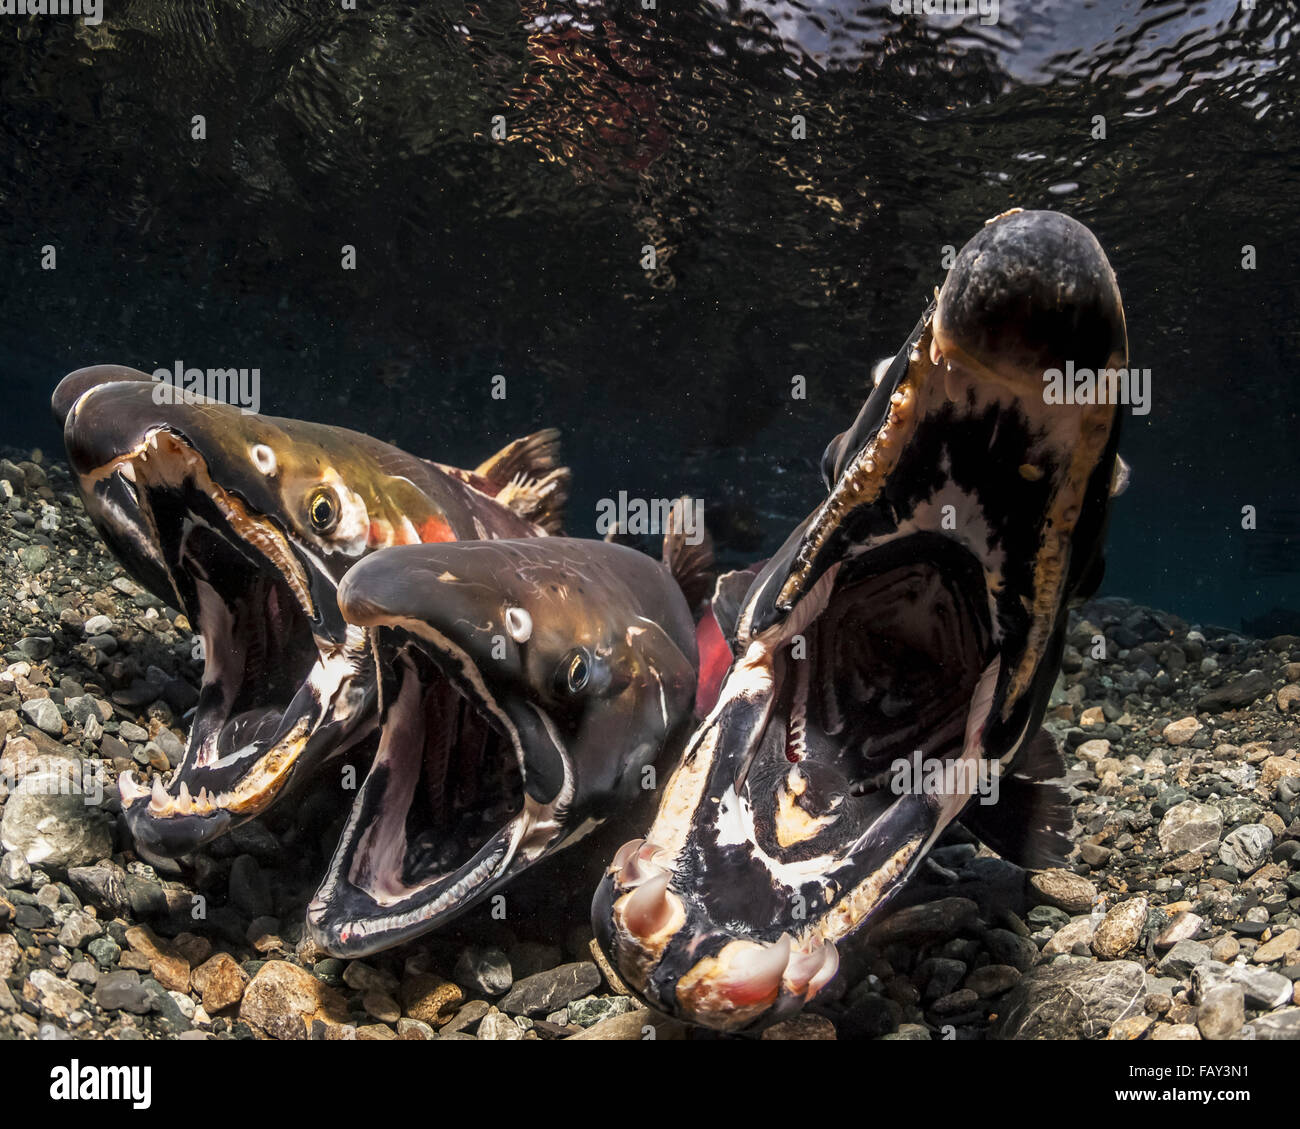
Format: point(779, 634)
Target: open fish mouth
point(914, 620)
point(250, 522)
point(274, 664)
point(442, 815)
point(526, 685)
point(798, 831)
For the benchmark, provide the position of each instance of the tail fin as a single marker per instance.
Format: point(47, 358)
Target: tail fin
point(531, 482)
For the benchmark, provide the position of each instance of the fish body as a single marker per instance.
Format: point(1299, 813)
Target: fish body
point(248, 523)
point(894, 659)
point(529, 690)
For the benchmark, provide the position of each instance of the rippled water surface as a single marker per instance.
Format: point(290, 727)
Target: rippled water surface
point(670, 128)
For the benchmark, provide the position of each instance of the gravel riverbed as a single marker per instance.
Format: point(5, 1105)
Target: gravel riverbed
point(1176, 917)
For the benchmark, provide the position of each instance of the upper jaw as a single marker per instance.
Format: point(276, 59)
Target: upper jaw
point(1029, 293)
point(191, 517)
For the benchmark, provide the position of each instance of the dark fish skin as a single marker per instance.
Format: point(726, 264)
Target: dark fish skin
point(918, 612)
point(248, 523)
point(578, 657)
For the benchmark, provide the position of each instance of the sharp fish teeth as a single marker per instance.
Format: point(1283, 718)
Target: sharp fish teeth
point(160, 800)
point(750, 971)
point(825, 974)
point(648, 909)
point(183, 801)
point(624, 853)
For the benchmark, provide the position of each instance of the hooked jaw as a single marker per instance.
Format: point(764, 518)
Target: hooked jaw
point(728, 981)
point(272, 668)
point(1031, 292)
point(788, 824)
point(440, 820)
point(445, 813)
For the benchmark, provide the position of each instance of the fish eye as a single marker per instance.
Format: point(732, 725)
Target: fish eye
point(578, 673)
point(323, 509)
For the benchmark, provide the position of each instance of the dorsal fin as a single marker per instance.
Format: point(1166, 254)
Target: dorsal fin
point(688, 551)
point(531, 482)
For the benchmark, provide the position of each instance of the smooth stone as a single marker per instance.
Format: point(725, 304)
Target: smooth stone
point(485, 970)
point(1281, 1025)
point(78, 929)
point(1247, 847)
point(548, 991)
point(122, 991)
point(1222, 1013)
point(1241, 691)
point(992, 980)
point(1184, 956)
point(1190, 827)
point(44, 714)
point(498, 1027)
point(1264, 989)
point(1180, 732)
point(284, 1001)
point(931, 921)
point(1071, 999)
point(1277, 947)
point(56, 996)
point(429, 998)
point(220, 982)
point(1120, 929)
point(640, 1024)
point(592, 1009)
point(53, 829)
point(801, 1028)
point(1064, 889)
point(1184, 926)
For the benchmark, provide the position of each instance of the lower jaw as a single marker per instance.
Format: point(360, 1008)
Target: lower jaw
point(176, 832)
point(172, 836)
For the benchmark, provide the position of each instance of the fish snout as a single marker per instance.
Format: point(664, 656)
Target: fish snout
point(102, 422)
point(1031, 291)
point(72, 386)
point(692, 968)
point(404, 584)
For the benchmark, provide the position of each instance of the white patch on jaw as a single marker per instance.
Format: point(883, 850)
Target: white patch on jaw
point(519, 624)
point(263, 458)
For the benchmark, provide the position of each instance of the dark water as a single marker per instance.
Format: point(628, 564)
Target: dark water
point(776, 256)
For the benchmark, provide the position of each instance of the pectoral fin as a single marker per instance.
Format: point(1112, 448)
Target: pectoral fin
point(1031, 820)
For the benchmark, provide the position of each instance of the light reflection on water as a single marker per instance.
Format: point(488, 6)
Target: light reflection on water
point(670, 128)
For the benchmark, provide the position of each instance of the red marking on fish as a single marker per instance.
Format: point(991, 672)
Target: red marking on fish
point(715, 661)
point(436, 529)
